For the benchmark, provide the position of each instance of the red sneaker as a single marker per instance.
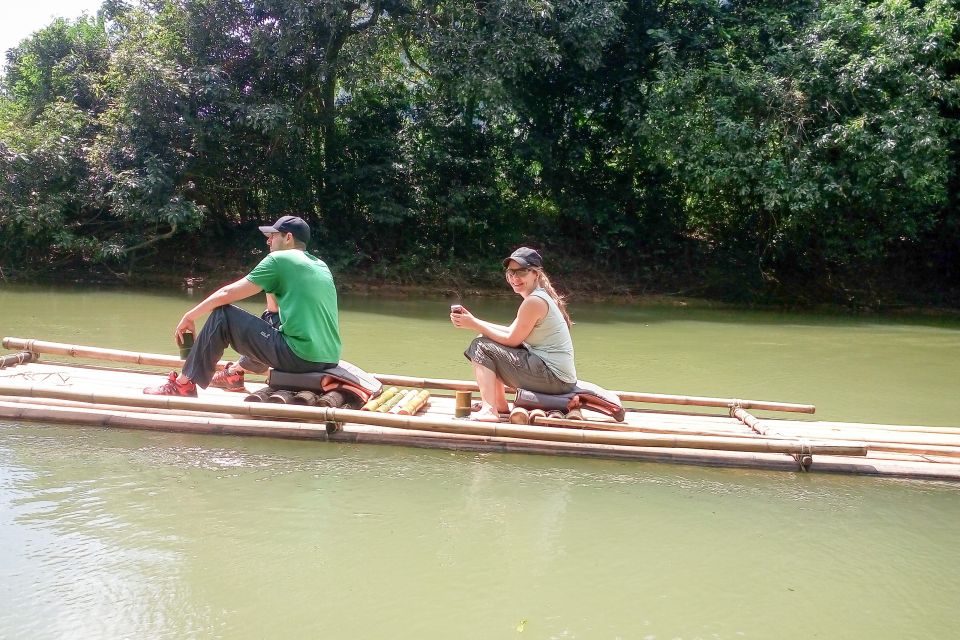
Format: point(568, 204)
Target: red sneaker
point(223, 379)
point(173, 388)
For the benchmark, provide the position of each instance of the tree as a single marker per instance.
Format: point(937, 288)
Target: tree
point(50, 103)
point(813, 140)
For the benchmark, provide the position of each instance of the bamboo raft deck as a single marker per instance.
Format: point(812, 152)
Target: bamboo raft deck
point(58, 384)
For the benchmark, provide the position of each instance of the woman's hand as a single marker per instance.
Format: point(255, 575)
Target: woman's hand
point(463, 319)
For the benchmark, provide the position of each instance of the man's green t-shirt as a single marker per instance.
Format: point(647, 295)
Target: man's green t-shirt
point(307, 297)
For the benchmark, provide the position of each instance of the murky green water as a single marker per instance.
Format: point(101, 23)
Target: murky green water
point(122, 534)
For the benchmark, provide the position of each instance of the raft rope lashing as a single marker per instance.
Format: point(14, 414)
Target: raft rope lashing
point(805, 457)
point(14, 359)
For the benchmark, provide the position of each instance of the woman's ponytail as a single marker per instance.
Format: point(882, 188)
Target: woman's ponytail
point(561, 301)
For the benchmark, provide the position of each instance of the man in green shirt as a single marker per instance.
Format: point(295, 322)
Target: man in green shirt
point(306, 338)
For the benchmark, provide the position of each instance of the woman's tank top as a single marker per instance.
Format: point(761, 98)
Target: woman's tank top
point(551, 341)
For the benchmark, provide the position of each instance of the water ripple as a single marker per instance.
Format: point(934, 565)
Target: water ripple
point(121, 533)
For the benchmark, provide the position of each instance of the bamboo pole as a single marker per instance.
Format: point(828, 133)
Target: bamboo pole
point(916, 449)
point(595, 425)
point(75, 404)
point(900, 442)
point(889, 465)
point(879, 440)
point(631, 396)
point(933, 440)
point(96, 353)
point(38, 346)
point(853, 432)
point(880, 427)
point(749, 419)
point(704, 401)
point(467, 442)
point(427, 383)
point(914, 441)
point(551, 434)
point(548, 421)
point(174, 420)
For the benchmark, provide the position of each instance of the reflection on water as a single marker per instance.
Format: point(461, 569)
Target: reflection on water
point(120, 534)
point(113, 534)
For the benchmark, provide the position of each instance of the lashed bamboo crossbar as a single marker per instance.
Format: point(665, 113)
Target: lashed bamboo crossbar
point(749, 419)
point(439, 424)
point(905, 439)
point(133, 357)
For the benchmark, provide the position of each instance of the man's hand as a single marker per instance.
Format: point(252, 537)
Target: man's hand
point(186, 324)
point(226, 294)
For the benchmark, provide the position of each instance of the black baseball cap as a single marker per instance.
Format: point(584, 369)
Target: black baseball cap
point(290, 224)
point(525, 257)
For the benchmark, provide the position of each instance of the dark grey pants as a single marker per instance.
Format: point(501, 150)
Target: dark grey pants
point(516, 367)
point(259, 343)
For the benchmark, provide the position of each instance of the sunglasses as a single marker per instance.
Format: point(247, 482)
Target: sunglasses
point(517, 273)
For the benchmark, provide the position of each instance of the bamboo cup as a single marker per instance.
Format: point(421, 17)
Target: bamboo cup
point(462, 407)
point(186, 345)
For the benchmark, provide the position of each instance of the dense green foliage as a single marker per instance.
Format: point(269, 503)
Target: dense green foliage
point(793, 149)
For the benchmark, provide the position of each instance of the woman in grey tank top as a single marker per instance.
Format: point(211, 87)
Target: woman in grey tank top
point(535, 352)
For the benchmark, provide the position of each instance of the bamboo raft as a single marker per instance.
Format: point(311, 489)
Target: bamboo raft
point(700, 430)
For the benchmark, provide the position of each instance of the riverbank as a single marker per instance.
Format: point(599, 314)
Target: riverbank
point(581, 283)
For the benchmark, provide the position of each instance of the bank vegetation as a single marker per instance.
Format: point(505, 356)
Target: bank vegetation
point(795, 151)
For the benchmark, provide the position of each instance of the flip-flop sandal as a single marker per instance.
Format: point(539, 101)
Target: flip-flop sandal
point(476, 406)
point(472, 419)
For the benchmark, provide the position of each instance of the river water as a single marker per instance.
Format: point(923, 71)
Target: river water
point(120, 534)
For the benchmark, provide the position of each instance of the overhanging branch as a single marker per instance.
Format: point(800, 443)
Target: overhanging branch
point(153, 240)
